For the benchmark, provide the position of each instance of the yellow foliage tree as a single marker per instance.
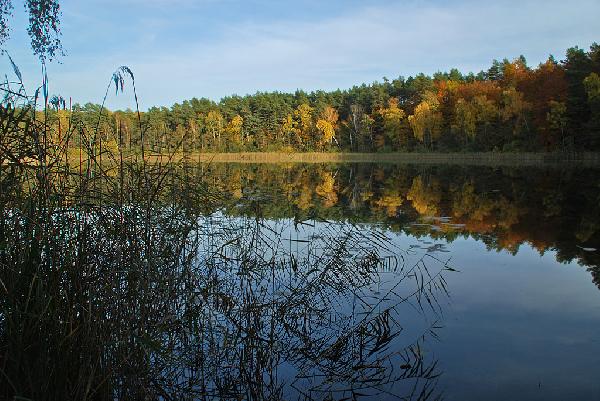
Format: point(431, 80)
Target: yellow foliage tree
point(485, 111)
point(234, 129)
point(426, 121)
point(479, 112)
point(592, 87)
point(514, 108)
point(327, 131)
point(303, 116)
point(465, 120)
point(327, 125)
point(214, 124)
point(392, 121)
point(331, 115)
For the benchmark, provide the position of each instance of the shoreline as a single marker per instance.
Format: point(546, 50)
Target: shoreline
point(479, 158)
point(588, 159)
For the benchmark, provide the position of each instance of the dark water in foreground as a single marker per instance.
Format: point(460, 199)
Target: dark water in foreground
point(522, 320)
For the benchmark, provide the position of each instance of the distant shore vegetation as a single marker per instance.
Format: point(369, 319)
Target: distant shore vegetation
point(511, 107)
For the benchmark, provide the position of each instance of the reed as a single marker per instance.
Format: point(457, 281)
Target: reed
point(121, 279)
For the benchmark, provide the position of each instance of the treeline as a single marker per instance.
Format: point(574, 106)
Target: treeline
point(509, 107)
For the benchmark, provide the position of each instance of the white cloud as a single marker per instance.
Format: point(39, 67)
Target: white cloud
point(358, 46)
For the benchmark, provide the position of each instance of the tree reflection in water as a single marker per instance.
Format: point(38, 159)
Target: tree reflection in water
point(130, 291)
point(552, 208)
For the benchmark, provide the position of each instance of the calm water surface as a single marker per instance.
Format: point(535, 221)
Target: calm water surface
point(303, 282)
point(522, 319)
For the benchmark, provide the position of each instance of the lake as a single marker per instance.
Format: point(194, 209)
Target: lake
point(306, 281)
point(522, 319)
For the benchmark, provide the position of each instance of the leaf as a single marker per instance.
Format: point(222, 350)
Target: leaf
point(45, 86)
point(16, 69)
point(126, 69)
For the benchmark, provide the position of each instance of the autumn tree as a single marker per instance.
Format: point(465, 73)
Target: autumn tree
point(233, 130)
point(509, 106)
point(327, 131)
point(393, 122)
point(513, 73)
point(542, 86)
point(288, 129)
point(304, 123)
point(486, 112)
point(513, 110)
point(327, 124)
point(465, 119)
point(592, 88)
point(426, 121)
point(214, 125)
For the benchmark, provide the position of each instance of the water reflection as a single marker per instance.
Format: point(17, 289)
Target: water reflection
point(146, 287)
point(295, 282)
point(316, 310)
point(549, 209)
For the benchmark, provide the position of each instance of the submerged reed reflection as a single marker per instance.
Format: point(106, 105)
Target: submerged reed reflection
point(308, 306)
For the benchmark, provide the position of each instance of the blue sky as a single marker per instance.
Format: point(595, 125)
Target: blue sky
point(179, 49)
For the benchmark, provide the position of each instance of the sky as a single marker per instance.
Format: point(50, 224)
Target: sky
point(179, 49)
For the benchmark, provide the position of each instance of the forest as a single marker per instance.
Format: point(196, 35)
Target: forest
point(510, 107)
